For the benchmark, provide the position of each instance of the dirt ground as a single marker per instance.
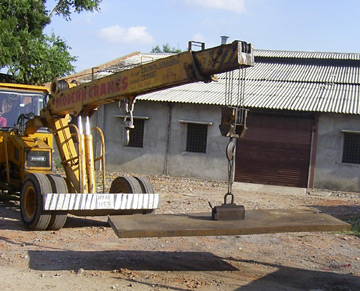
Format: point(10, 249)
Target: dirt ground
point(87, 255)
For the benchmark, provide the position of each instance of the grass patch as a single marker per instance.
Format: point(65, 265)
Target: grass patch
point(355, 225)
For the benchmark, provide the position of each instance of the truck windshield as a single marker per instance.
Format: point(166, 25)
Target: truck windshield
point(16, 102)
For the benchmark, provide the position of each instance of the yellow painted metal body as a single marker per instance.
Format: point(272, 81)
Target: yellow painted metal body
point(70, 154)
point(16, 153)
point(23, 87)
point(176, 70)
point(89, 160)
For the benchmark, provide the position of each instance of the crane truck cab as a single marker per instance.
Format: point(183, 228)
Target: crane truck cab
point(21, 154)
point(17, 99)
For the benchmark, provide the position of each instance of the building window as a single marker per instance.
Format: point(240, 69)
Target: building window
point(137, 134)
point(351, 151)
point(196, 138)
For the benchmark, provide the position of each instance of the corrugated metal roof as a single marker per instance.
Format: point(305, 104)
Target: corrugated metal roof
point(307, 55)
point(274, 84)
point(316, 97)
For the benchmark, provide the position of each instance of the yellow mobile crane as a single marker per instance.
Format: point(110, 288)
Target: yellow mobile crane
point(26, 147)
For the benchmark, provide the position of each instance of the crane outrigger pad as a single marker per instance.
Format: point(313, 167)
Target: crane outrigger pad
point(201, 224)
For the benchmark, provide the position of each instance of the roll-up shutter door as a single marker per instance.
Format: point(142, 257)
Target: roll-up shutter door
point(275, 151)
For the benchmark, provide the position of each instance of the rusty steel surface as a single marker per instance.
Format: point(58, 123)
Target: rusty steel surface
point(200, 224)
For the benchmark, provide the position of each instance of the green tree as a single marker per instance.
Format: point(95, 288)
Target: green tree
point(41, 60)
point(63, 7)
point(31, 56)
point(165, 49)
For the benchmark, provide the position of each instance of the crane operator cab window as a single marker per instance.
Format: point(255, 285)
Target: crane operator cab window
point(13, 103)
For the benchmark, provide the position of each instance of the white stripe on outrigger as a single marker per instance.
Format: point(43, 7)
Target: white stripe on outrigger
point(91, 201)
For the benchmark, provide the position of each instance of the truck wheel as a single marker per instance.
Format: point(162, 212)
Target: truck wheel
point(145, 184)
point(58, 185)
point(125, 184)
point(31, 202)
point(147, 188)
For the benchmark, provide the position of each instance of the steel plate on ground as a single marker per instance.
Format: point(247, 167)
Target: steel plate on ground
point(200, 224)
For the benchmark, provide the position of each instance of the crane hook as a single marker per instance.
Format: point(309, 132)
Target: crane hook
point(128, 120)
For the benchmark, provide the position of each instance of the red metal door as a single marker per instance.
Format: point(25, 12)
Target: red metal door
point(275, 151)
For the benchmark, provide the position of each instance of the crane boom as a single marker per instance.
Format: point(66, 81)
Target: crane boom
point(179, 69)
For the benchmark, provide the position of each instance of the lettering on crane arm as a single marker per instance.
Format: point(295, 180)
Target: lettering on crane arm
point(91, 92)
point(148, 76)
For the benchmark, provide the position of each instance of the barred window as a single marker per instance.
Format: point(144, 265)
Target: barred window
point(196, 137)
point(351, 149)
point(137, 134)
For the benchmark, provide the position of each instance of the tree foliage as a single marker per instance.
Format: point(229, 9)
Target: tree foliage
point(165, 49)
point(64, 7)
point(31, 56)
point(42, 59)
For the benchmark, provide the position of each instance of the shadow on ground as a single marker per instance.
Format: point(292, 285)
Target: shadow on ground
point(9, 213)
point(10, 218)
point(288, 278)
point(339, 211)
point(263, 276)
point(131, 260)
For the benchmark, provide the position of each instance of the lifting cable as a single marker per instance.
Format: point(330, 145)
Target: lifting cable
point(235, 100)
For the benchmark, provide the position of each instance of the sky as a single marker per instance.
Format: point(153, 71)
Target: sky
point(126, 26)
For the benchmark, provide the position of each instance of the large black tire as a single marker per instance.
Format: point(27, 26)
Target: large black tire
point(145, 184)
point(125, 184)
point(31, 202)
point(146, 188)
point(58, 185)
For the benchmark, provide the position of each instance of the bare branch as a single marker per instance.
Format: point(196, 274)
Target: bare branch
point(55, 8)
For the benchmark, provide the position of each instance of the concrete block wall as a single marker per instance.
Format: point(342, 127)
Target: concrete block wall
point(330, 172)
point(158, 156)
